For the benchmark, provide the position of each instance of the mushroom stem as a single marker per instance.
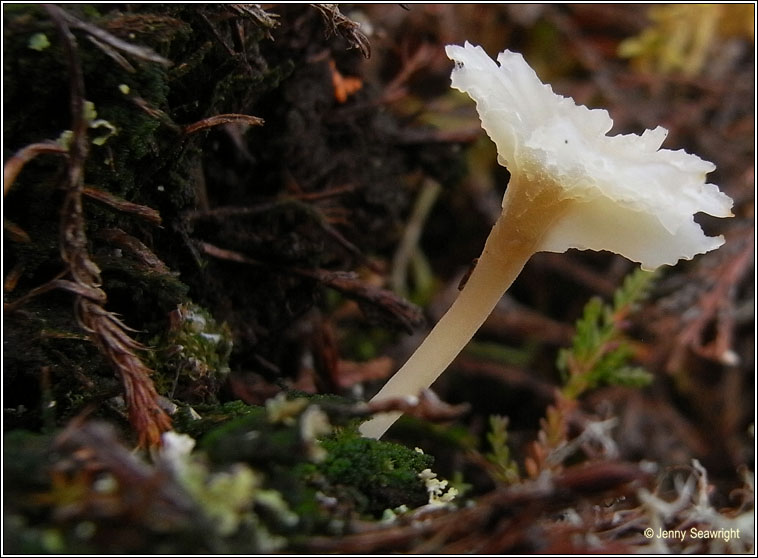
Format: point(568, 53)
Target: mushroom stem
point(512, 241)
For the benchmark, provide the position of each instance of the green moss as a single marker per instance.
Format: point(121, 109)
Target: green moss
point(192, 356)
point(214, 416)
point(25, 456)
point(378, 475)
point(253, 439)
point(369, 475)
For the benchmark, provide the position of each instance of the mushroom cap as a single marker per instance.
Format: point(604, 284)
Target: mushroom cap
point(628, 195)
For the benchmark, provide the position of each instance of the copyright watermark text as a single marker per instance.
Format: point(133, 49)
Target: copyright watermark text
point(692, 533)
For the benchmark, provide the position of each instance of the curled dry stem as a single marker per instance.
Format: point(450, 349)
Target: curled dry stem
point(338, 23)
point(14, 165)
point(257, 15)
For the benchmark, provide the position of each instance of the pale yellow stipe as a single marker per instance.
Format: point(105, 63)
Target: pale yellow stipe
point(511, 243)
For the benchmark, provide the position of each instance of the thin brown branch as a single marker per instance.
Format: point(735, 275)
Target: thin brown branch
point(16, 233)
point(94, 446)
point(512, 376)
point(11, 279)
point(321, 220)
point(716, 306)
point(136, 249)
point(120, 204)
point(331, 192)
point(17, 161)
point(258, 15)
point(221, 119)
point(143, 53)
point(400, 310)
point(229, 255)
point(42, 289)
point(229, 50)
point(344, 26)
point(156, 113)
point(112, 53)
point(228, 211)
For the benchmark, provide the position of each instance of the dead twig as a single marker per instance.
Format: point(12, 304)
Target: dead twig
point(16, 233)
point(410, 64)
point(146, 257)
point(721, 302)
point(107, 332)
point(120, 204)
point(17, 161)
point(12, 278)
point(141, 52)
point(400, 310)
point(512, 376)
point(113, 54)
point(427, 406)
point(258, 15)
point(349, 373)
point(716, 306)
point(220, 119)
point(320, 219)
point(156, 113)
point(42, 289)
point(342, 25)
point(403, 312)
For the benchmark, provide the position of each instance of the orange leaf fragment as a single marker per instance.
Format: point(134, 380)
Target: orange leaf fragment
point(344, 86)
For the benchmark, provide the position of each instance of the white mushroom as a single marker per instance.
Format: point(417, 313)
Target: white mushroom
point(571, 186)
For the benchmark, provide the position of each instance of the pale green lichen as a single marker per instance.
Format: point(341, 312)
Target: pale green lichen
point(440, 494)
point(39, 42)
point(228, 498)
point(102, 123)
point(93, 123)
point(390, 515)
point(279, 409)
point(314, 423)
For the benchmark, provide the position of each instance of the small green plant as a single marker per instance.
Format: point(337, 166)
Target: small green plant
point(599, 353)
point(505, 468)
